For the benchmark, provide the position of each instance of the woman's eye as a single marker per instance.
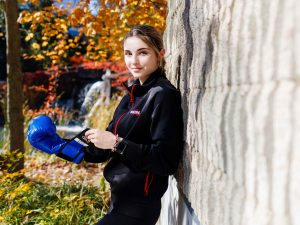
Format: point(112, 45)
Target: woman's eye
point(128, 53)
point(143, 53)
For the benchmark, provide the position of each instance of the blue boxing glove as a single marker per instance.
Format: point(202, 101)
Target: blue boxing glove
point(42, 135)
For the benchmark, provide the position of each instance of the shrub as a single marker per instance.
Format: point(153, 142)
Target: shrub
point(23, 201)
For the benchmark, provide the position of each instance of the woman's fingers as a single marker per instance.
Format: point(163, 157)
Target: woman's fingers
point(101, 139)
point(90, 134)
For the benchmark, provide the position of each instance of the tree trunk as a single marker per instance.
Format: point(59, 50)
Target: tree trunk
point(15, 116)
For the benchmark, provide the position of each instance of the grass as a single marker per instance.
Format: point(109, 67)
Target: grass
point(23, 201)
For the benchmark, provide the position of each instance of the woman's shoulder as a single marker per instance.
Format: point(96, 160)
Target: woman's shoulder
point(166, 87)
point(164, 90)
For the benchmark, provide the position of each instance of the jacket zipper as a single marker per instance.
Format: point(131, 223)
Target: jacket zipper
point(117, 123)
point(132, 97)
point(150, 175)
point(123, 114)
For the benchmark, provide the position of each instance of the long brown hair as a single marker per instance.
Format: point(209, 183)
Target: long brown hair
point(151, 37)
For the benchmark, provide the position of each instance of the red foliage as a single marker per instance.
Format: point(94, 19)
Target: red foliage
point(41, 84)
point(116, 67)
point(119, 70)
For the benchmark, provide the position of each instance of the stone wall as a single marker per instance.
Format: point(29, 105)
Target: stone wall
point(237, 66)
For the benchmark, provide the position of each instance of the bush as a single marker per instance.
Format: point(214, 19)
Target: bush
point(23, 201)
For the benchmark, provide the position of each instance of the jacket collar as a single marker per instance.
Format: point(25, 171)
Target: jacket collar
point(136, 89)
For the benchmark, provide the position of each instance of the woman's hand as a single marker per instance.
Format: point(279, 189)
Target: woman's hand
point(101, 139)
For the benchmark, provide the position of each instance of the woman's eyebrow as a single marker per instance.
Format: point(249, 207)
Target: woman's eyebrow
point(140, 49)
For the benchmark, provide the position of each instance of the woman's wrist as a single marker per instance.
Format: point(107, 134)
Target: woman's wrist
point(117, 141)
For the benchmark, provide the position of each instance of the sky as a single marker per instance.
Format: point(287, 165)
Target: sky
point(93, 5)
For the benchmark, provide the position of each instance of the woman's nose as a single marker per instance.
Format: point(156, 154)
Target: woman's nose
point(135, 59)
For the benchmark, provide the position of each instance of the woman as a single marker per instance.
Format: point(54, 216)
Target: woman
point(143, 142)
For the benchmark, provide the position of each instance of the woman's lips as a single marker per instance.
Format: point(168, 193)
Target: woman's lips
point(137, 69)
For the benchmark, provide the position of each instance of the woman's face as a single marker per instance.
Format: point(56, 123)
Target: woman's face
point(140, 59)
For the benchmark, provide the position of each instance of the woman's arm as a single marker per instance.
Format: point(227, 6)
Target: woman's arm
point(96, 155)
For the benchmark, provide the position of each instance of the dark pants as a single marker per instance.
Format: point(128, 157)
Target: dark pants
point(132, 213)
point(117, 218)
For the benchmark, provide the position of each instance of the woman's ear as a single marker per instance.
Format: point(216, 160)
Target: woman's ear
point(162, 53)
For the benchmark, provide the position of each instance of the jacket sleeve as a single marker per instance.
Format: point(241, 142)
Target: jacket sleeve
point(96, 155)
point(162, 155)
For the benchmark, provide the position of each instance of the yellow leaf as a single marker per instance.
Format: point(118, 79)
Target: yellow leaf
point(35, 46)
point(59, 36)
point(61, 52)
point(33, 27)
point(24, 17)
point(76, 39)
point(64, 27)
point(39, 57)
point(51, 53)
point(89, 48)
point(38, 17)
point(54, 57)
point(29, 37)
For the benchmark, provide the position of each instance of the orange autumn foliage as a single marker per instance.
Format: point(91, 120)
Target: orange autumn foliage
point(100, 31)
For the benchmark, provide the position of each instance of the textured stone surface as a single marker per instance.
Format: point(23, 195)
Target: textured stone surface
point(237, 66)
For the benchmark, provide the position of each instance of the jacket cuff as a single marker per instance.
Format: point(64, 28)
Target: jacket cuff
point(122, 146)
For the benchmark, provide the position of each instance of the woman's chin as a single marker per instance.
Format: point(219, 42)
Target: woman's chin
point(136, 74)
point(137, 71)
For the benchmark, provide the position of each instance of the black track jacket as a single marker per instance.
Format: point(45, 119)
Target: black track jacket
point(149, 118)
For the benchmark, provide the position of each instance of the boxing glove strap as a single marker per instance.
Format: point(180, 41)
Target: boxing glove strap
point(77, 142)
